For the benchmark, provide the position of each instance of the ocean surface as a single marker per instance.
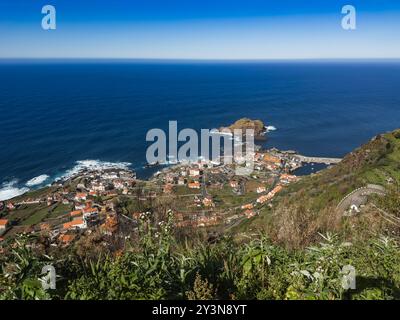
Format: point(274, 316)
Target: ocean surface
point(56, 113)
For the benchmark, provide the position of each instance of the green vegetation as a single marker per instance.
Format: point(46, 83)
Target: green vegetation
point(162, 268)
point(184, 190)
point(42, 192)
point(226, 198)
point(33, 214)
point(59, 210)
point(308, 207)
point(296, 249)
point(37, 216)
point(246, 123)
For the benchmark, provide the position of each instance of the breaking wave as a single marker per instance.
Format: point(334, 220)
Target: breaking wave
point(10, 190)
point(93, 165)
point(37, 180)
point(270, 128)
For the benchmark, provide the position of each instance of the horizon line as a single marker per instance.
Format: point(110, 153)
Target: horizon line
point(379, 59)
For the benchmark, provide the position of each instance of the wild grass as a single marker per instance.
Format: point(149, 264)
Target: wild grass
point(159, 267)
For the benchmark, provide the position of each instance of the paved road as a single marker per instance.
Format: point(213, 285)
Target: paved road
point(359, 196)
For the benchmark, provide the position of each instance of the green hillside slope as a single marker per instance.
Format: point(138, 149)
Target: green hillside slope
point(308, 207)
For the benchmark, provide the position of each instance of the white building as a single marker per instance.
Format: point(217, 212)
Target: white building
point(261, 189)
point(193, 172)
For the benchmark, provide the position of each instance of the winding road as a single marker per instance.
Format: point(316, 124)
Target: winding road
point(359, 197)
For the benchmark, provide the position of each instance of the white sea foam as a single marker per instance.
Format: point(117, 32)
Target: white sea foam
point(10, 190)
point(37, 180)
point(270, 128)
point(93, 165)
point(221, 133)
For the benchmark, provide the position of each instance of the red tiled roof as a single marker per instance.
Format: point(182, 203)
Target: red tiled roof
point(72, 223)
point(76, 213)
point(67, 238)
point(90, 210)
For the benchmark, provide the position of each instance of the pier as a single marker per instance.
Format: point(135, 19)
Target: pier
point(305, 159)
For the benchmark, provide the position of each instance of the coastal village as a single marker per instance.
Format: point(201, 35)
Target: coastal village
point(203, 193)
point(111, 201)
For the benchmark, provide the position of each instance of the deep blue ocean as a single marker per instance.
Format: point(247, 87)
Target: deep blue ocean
point(53, 114)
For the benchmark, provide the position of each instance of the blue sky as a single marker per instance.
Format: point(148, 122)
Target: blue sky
point(200, 29)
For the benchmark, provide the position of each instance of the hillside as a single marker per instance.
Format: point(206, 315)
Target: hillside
point(295, 248)
point(309, 206)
